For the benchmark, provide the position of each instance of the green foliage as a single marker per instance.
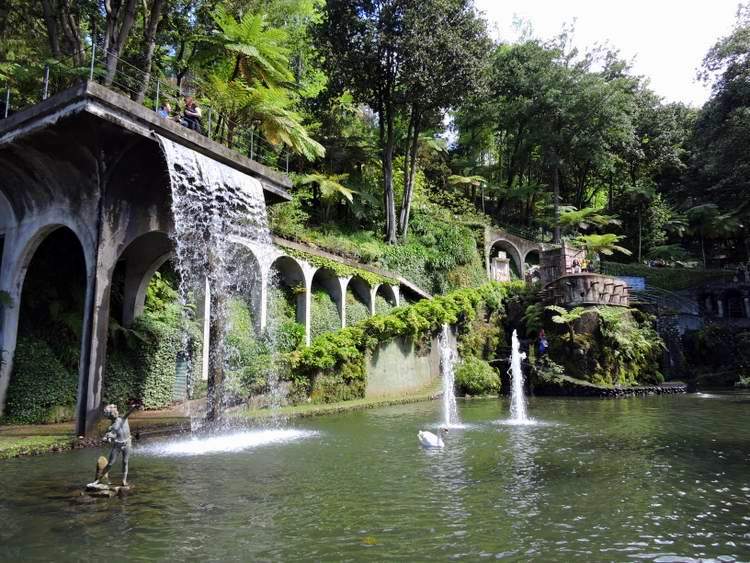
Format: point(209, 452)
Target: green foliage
point(340, 269)
point(356, 311)
point(606, 244)
point(341, 354)
point(41, 389)
point(619, 347)
point(476, 377)
point(324, 315)
point(567, 318)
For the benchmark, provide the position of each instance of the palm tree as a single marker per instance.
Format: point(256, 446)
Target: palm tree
point(567, 318)
point(606, 244)
point(254, 89)
point(330, 190)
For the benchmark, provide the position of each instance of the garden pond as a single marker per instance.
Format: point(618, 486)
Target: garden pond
point(661, 478)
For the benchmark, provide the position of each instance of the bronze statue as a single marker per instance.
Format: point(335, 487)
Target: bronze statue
point(118, 434)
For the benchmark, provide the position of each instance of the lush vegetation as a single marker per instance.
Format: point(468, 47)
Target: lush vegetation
point(547, 138)
point(476, 377)
point(407, 130)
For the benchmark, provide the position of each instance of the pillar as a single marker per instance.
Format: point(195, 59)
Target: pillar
point(9, 316)
point(746, 302)
point(396, 294)
point(720, 307)
point(94, 340)
point(343, 282)
point(304, 304)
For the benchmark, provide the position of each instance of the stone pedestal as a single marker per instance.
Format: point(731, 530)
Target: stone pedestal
point(500, 268)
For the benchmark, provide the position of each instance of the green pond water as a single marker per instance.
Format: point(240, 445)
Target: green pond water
point(663, 478)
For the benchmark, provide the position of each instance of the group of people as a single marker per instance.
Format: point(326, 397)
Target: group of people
point(583, 265)
point(190, 117)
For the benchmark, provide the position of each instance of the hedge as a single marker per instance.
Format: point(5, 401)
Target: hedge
point(41, 390)
point(340, 356)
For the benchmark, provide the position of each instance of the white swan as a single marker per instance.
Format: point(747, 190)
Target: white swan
point(430, 440)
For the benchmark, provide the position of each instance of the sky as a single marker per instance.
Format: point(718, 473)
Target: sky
point(666, 40)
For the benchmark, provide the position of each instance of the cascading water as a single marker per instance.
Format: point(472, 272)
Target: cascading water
point(447, 365)
point(517, 401)
point(214, 206)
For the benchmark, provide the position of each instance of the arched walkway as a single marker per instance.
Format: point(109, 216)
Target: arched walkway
point(290, 284)
point(516, 262)
point(386, 297)
point(328, 305)
point(359, 301)
point(43, 385)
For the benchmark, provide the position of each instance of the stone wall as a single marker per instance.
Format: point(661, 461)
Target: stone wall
point(400, 367)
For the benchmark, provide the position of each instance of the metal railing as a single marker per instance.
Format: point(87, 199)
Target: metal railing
point(56, 75)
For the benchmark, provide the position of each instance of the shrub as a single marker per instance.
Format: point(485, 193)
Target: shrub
point(324, 315)
point(476, 377)
point(356, 311)
point(41, 390)
point(340, 356)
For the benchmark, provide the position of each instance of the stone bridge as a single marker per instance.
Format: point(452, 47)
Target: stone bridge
point(521, 251)
point(85, 191)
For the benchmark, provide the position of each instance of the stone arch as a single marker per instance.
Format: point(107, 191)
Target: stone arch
point(295, 278)
point(387, 292)
point(53, 252)
point(502, 244)
point(137, 264)
point(327, 280)
point(358, 290)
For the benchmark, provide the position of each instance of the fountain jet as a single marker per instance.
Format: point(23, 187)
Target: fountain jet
point(518, 401)
point(447, 366)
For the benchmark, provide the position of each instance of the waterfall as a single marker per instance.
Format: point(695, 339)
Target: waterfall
point(214, 205)
point(447, 365)
point(518, 401)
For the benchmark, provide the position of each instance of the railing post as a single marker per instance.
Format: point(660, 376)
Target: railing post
point(287, 161)
point(7, 101)
point(93, 58)
point(208, 132)
point(156, 100)
point(46, 82)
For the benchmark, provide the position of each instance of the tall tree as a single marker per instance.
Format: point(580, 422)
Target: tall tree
point(362, 47)
point(446, 46)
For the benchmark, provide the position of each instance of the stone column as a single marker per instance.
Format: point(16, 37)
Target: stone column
point(343, 282)
point(9, 319)
point(746, 303)
point(397, 294)
point(304, 305)
point(94, 340)
point(720, 307)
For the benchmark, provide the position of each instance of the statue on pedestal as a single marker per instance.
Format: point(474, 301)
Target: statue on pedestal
point(118, 434)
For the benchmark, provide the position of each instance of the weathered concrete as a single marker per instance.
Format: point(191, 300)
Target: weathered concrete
point(86, 159)
point(400, 367)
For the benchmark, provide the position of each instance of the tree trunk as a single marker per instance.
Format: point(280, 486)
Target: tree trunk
point(556, 188)
point(149, 47)
point(387, 143)
point(120, 18)
point(410, 170)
